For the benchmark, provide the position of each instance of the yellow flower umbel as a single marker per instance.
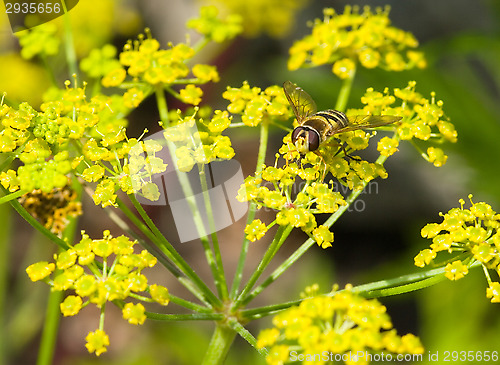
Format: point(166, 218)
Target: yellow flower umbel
point(341, 324)
point(100, 271)
point(469, 236)
point(273, 17)
point(345, 40)
point(423, 120)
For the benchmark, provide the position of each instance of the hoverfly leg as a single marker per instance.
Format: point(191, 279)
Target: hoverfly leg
point(343, 148)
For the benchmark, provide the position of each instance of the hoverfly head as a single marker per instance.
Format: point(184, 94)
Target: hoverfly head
point(305, 139)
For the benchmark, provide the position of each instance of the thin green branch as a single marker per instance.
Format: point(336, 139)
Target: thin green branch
point(238, 275)
point(69, 45)
point(244, 333)
point(185, 317)
point(11, 196)
point(215, 264)
point(345, 91)
point(174, 255)
point(280, 237)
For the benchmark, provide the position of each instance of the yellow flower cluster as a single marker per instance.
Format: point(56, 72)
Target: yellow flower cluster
point(149, 66)
point(273, 17)
point(255, 104)
point(473, 232)
point(352, 38)
point(114, 273)
point(423, 119)
point(343, 325)
point(295, 209)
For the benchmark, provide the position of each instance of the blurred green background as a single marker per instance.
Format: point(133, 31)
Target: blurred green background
point(462, 44)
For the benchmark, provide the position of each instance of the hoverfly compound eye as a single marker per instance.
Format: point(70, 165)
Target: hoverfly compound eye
point(298, 132)
point(305, 139)
point(313, 140)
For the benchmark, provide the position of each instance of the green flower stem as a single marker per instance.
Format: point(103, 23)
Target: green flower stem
point(200, 227)
point(175, 256)
point(345, 91)
point(161, 102)
point(400, 285)
point(11, 196)
point(50, 328)
point(217, 270)
point(219, 345)
point(243, 332)
point(217, 266)
point(153, 250)
point(185, 317)
point(279, 238)
point(189, 305)
point(403, 284)
point(53, 313)
point(69, 45)
point(264, 137)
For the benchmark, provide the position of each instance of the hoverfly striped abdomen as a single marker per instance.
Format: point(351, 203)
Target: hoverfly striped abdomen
point(336, 118)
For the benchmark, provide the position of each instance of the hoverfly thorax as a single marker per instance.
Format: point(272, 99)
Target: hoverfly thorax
point(316, 127)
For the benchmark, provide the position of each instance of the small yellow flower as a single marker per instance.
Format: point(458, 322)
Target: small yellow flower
point(456, 270)
point(255, 230)
point(159, 294)
point(71, 305)
point(134, 313)
point(493, 292)
point(191, 94)
point(40, 270)
point(97, 342)
point(424, 257)
point(344, 68)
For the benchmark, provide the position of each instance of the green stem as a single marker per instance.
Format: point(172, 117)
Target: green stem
point(345, 91)
point(53, 315)
point(50, 328)
point(399, 285)
point(244, 333)
point(216, 265)
point(175, 256)
point(69, 43)
point(161, 102)
point(185, 317)
point(219, 345)
point(279, 238)
point(11, 196)
point(179, 274)
point(264, 137)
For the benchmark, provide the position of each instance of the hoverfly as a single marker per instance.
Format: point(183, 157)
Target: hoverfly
point(317, 127)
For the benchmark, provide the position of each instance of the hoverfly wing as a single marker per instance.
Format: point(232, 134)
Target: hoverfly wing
point(302, 103)
point(368, 121)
